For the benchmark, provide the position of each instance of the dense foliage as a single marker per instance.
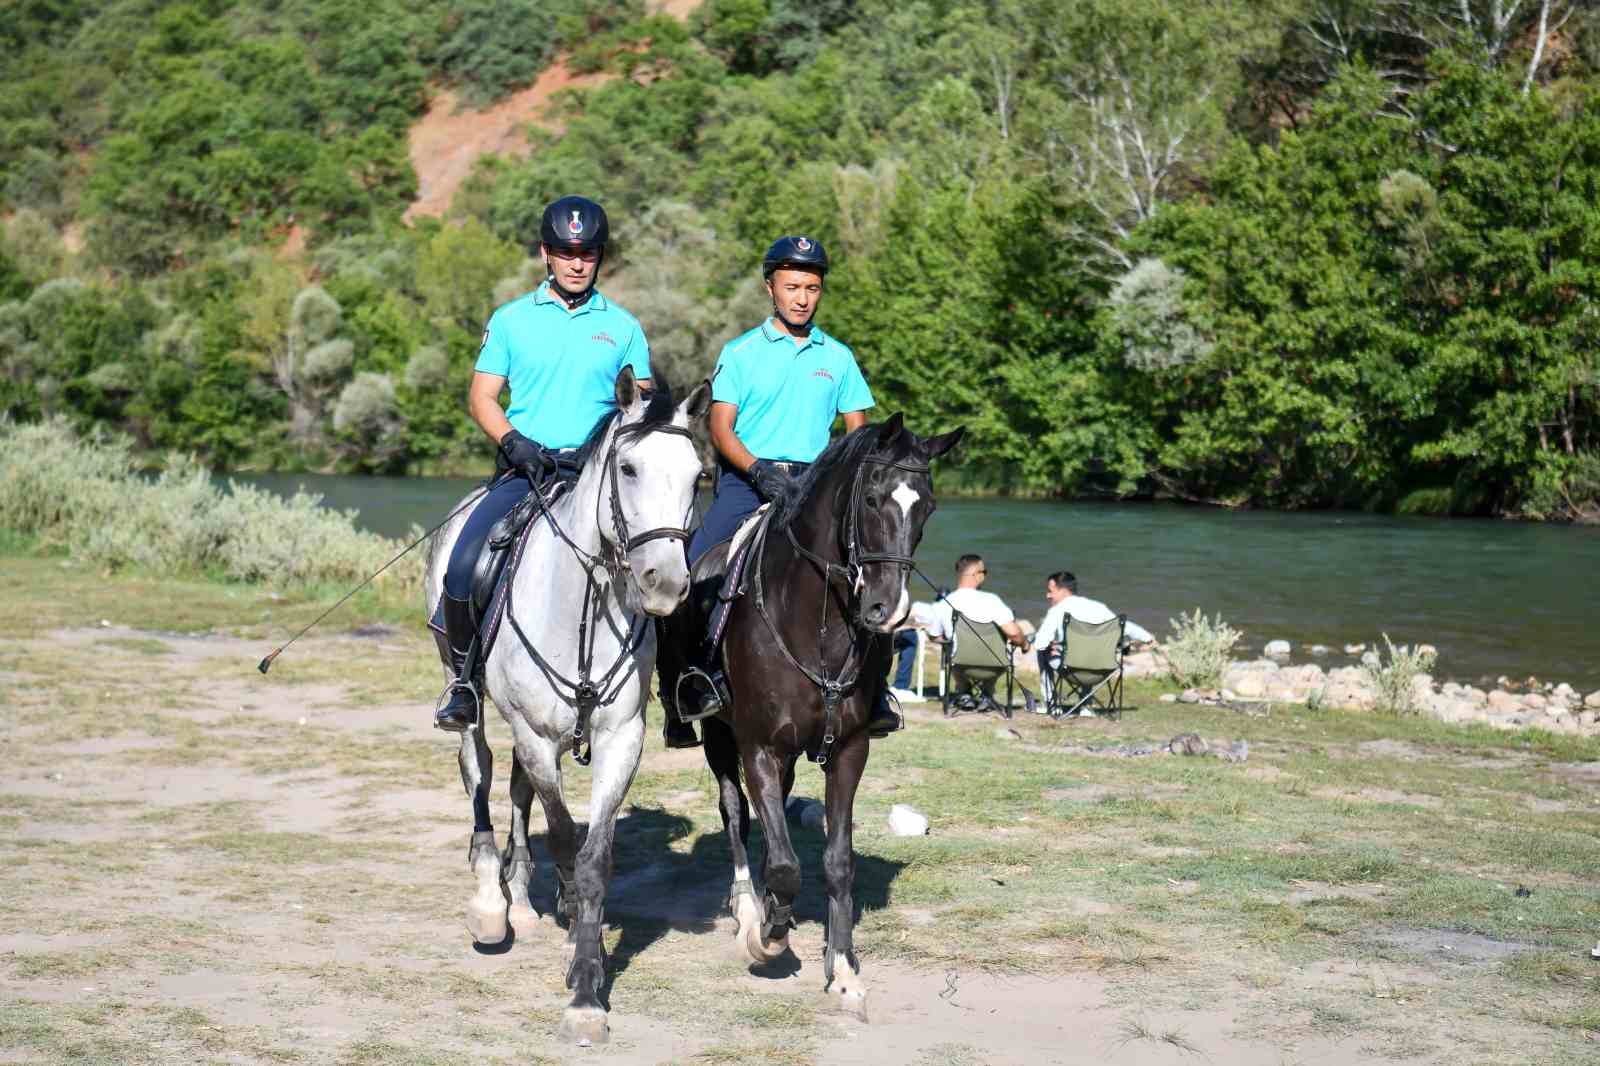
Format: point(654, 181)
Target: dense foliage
point(1292, 253)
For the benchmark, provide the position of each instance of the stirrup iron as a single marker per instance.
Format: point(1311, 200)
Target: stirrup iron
point(707, 694)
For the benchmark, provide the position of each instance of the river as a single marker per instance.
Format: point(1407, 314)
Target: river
point(1494, 597)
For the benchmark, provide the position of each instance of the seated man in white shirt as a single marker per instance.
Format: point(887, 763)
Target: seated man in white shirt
point(977, 606)
point(1061, 589)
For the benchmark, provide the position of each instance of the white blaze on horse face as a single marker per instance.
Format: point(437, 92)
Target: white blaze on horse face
point(906, 497)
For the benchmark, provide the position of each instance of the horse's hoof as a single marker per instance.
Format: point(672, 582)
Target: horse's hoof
point(849, 988)
point(524, 919)
point(487, 922)
point(854, 1002)
point(754, 950)
point(584, 1026)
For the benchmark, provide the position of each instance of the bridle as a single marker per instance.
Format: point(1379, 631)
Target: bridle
point(854, 558)
point(587, 693)
point(835, 687)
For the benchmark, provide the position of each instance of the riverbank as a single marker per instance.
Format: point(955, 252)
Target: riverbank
point(200, 863)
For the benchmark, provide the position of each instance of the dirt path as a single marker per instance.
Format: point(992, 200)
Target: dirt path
point(202, 864)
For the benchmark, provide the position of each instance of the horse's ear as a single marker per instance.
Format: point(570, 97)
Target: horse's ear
point(699, 401)
point(934, 447)
point(627, 388)
point(888, 431)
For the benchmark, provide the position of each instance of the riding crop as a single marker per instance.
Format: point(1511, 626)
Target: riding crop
point(265, 664)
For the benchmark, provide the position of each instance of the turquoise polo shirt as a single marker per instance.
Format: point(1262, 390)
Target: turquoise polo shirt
point(562, 365)
point(787, 393)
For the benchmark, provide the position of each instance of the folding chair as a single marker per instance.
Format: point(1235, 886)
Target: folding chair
point(971, 664)
point(1088, 680)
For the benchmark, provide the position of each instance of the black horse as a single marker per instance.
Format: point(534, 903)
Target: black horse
point(807, 651)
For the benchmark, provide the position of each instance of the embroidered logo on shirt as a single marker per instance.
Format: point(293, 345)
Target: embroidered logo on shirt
point(604, 336)
point(822, 374)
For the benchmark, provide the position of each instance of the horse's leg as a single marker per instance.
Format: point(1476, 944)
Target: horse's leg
point(542, 761)
point(518, 859)
point(841, 972)
point(486, 912)
point(780, 873)
point(616, 760)
point(722, 756)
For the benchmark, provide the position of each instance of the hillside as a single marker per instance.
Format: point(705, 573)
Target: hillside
point(1283, 254)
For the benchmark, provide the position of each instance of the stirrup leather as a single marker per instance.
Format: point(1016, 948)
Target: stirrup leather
point(705, 697)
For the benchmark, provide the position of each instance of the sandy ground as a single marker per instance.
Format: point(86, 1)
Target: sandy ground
point(235, 882)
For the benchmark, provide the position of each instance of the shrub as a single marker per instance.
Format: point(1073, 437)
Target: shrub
point(86, 496)
point(1393, 682)
point(1199, 649)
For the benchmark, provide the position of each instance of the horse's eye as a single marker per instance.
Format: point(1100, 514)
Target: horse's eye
point(629, 471)
point(872, 499)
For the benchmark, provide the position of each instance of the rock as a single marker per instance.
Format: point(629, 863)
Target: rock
point(1422, 688)
point(1006, 733)
point(1227, 696)
point(1348, 695)
point(1199, 695)
point(1354, 649)
point(1557, 710)
point(1188, 744)
point(1285, 691)
point(1250, 686)
point(1277, 649)
point(1370, 658)
point(1428, 650)
point(1476, 695)
point(907, 821)
point(1592, 700)
point(1169, 697)
point(1586, 718)
point(1319, 650)
point(1238, 751)
point(1535, 701)
point(1503, 702)
point(1565, 692)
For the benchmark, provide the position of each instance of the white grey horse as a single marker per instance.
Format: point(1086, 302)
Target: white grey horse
point(570, 670)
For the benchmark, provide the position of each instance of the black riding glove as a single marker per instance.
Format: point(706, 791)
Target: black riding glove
point(526, 456)
point(772, 482)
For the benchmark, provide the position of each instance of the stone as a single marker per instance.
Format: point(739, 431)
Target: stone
point(1503, 702)
point(1565, 692)
point(1278, 649)
point(1319, 650)
point(907, 821)
point(1228, 696)
point(1370, 658)
point(808, 812)
point(1428, 650)
point(1006, 733)
point(1285, 691)
point(1188, 744)
point(1353, 697)
point(1198, 695)
point(1169, 697)
point(1586, 718)
point(1535, 701)
point(1422, 687)
point(1250, 686)
point(1476, 695)
point(1592, 700)
point(1354, 649)
point(1557, 710)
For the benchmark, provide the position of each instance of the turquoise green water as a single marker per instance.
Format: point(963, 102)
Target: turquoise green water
point(1494, 597)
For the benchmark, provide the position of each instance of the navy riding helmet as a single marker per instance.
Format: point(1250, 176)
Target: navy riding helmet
point(797, 253)
point(574, 222)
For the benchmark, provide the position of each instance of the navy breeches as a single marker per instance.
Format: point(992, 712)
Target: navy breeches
point(501, 497)
point(735, 500)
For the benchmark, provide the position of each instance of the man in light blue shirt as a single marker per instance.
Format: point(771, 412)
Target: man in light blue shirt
point(560, 348)
point(775, 394)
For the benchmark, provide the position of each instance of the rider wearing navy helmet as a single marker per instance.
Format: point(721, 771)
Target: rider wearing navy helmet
point(775, 394)
point(560, 349)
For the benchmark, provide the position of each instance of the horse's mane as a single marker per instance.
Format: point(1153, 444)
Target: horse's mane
point(659, 408)
point(842, 454)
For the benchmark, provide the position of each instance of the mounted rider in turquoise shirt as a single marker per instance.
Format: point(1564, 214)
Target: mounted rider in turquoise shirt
point(775, 394)
point(560, 349)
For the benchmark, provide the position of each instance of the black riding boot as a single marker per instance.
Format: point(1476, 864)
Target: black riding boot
point(883, 721)
point(458, 707)
point(675, 731)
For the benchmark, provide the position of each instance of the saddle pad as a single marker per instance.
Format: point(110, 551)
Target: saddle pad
point(490, 628)
point(733, 585)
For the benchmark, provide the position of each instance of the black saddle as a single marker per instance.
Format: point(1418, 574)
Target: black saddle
point(720, 579)
point(502, 552)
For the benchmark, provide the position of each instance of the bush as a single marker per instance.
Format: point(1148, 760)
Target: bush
point(1199, 649)
point(86, 496)
point(1393, 682)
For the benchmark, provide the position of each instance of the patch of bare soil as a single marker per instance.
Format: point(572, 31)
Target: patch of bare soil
point(1380, 795)
point(447, 142)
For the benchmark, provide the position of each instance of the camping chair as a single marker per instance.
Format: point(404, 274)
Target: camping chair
point(971, 664)
point(1088, 680)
